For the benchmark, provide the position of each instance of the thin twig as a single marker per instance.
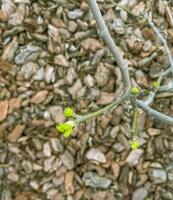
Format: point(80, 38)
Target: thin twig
point(167, 72)
point(152, 95)
point(166, 88)
point(155, 29)
point(121, 62)
point(157, 115)
point(127, 10)
point(108, 108)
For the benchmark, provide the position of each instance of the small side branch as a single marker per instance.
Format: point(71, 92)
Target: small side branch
point(108, 108)
point(122, 64)
point(152, 95)
point(157, 115)
point(166, 88)
point(155, 29)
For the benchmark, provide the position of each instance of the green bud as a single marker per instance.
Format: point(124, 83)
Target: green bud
point(135, 90)
point(60, 128)
point(66, 128)
point(135, 144)
point(67, 133)
point(156, 84)
point(68, 112)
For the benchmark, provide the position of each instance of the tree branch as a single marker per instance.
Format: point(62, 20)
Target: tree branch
point(157, 115)
point(152, 95)
point(166, 88)
point(122, 64)
point(155, 29)
point(108, 108)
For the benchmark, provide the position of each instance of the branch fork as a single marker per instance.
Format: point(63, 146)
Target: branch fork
point(122, 64)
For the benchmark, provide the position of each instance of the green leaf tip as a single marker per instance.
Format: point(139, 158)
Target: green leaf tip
point(68, 112)
point(135, 144)
point(66, 128)
point(156, 84)
point(135, 90)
